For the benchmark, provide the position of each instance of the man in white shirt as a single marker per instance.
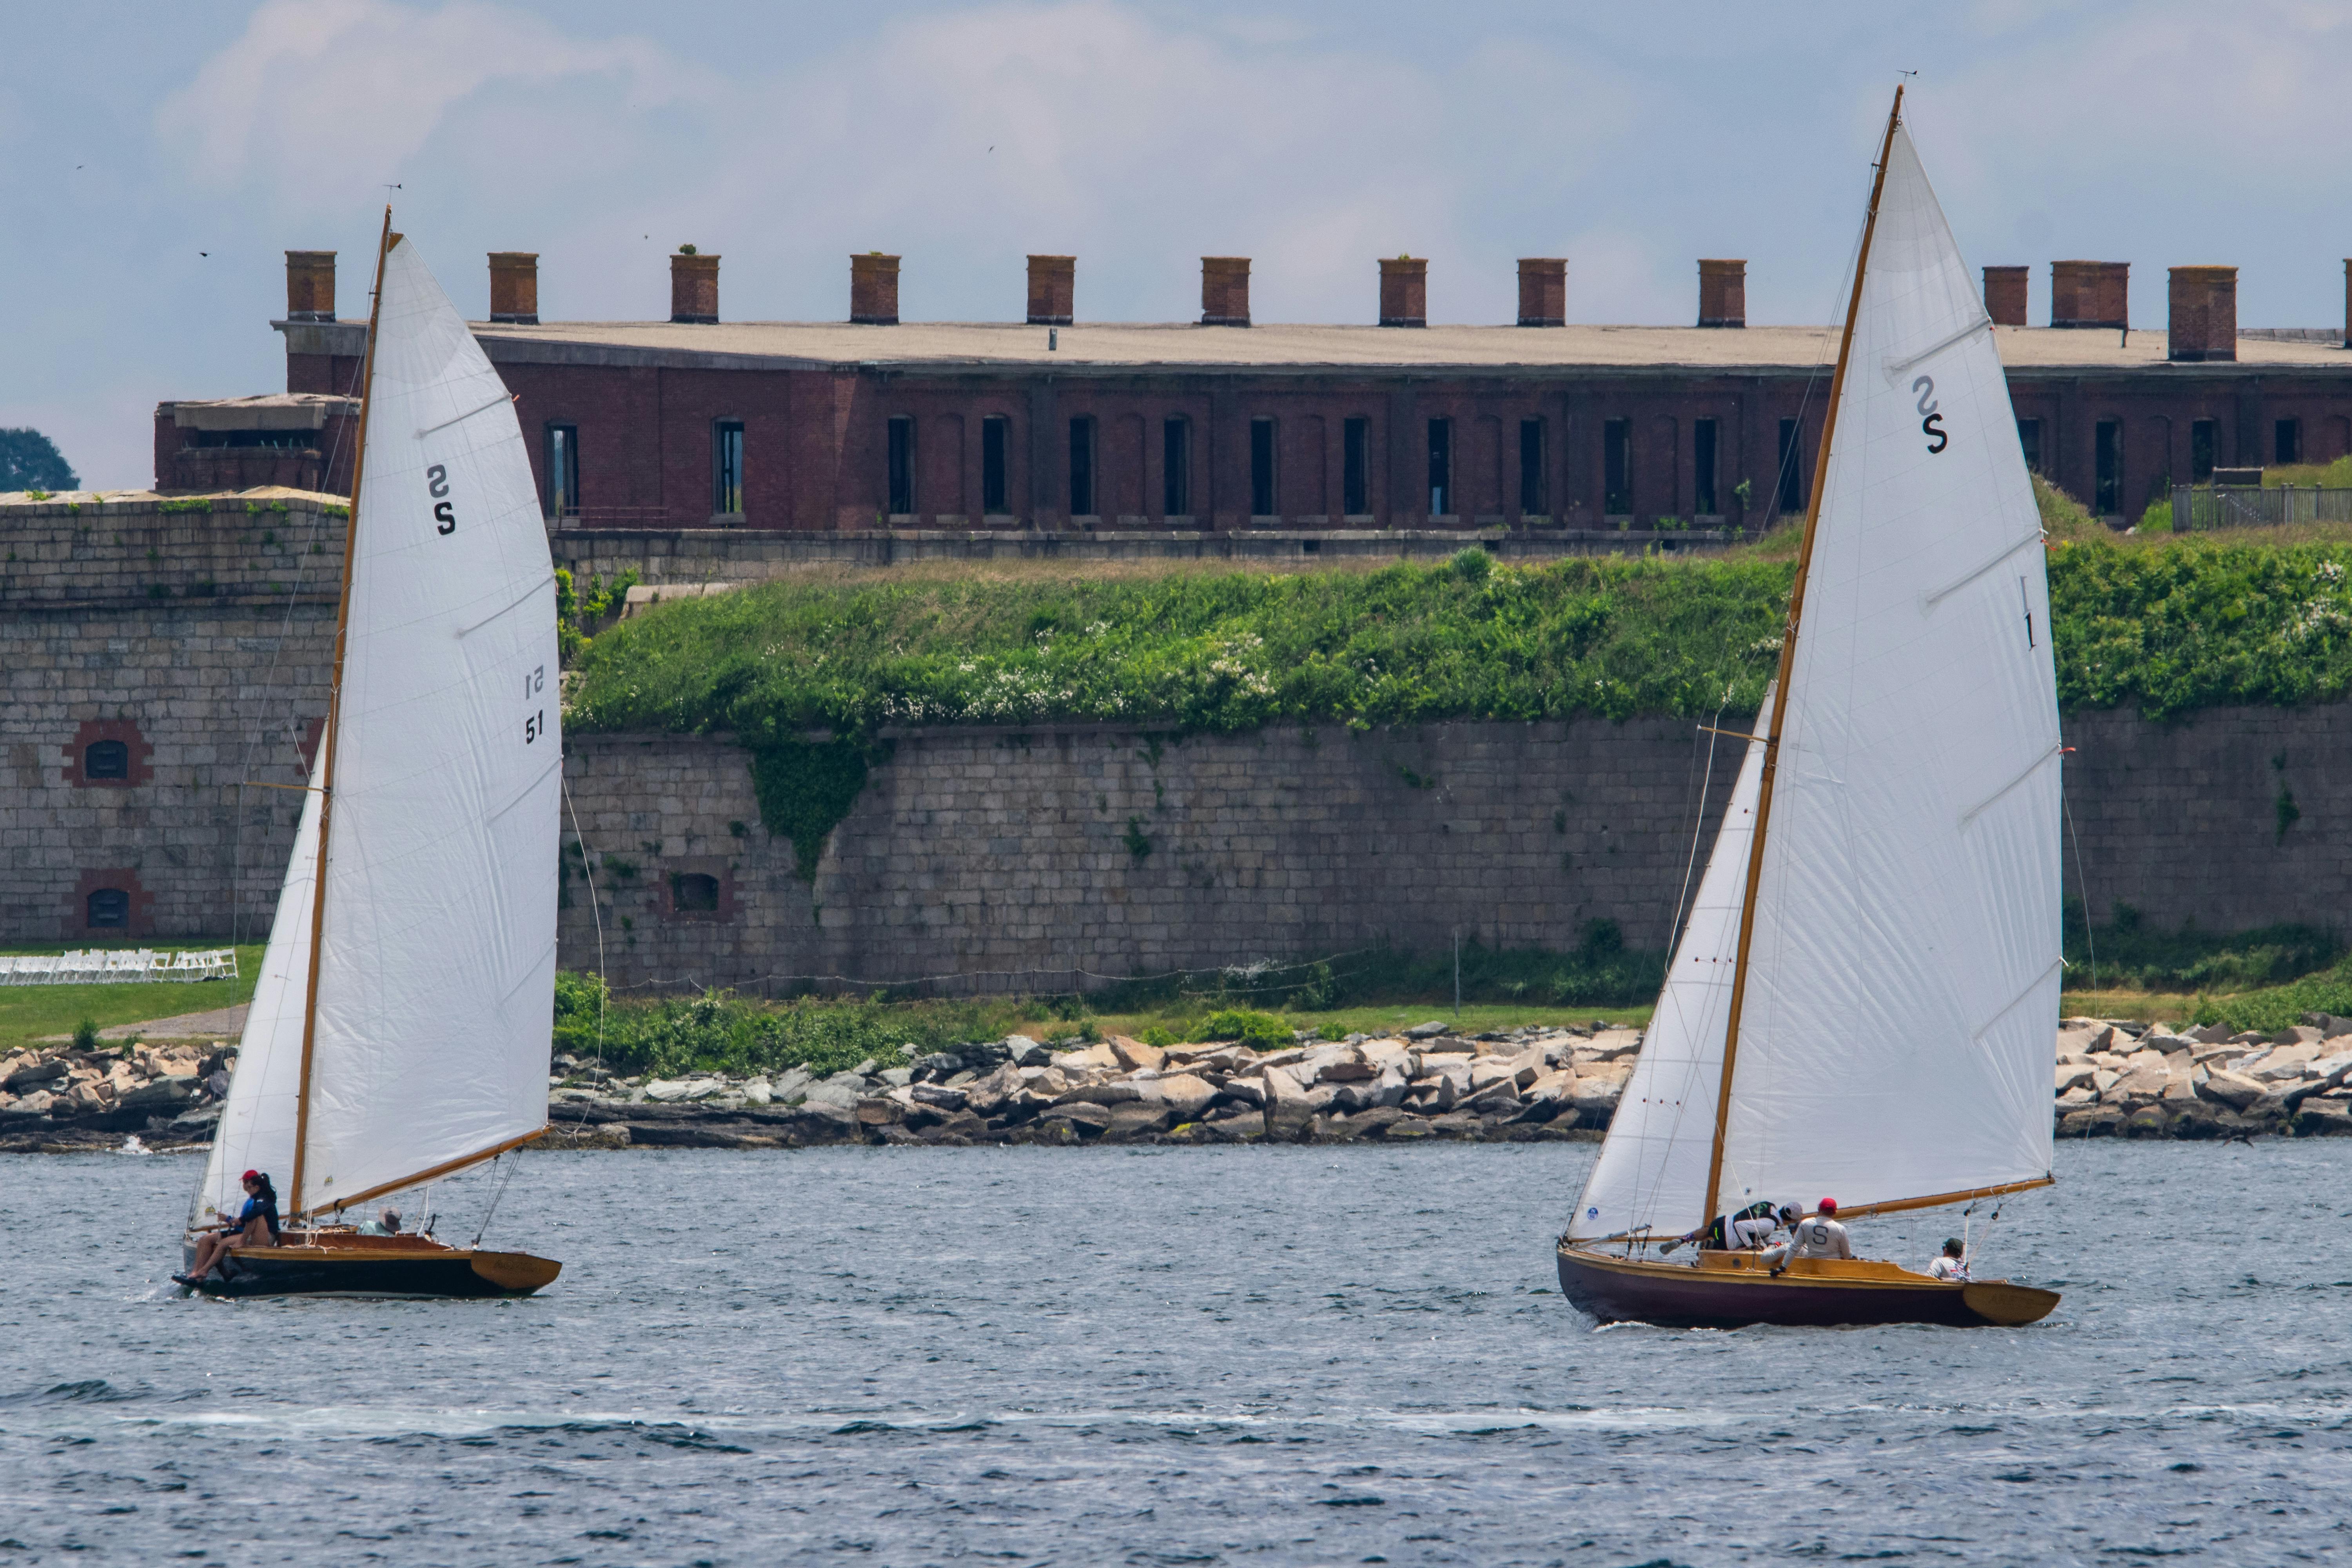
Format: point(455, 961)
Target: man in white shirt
point(1954, 1264)
point(1818, 1234)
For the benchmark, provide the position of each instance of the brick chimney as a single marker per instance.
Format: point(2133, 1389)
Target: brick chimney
point(874, 290)
point(1722, 293)
point(310, 285)
point(514, 287)
point(1543, 290)
point(2090, 294)
point(694, 289)
point(1404, 291)
point(1224, 291)
point(1053, 289)
point(2004, 295)
point(2204, 313)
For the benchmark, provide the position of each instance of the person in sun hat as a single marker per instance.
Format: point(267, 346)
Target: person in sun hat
point(257, 1225)
point(1818, 1234)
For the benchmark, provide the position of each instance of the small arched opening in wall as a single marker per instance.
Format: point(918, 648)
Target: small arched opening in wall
point(109, 906)
point(108, 754)
point(699, 890)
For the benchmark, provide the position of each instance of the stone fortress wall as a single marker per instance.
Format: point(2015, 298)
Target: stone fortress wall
point(196, 634)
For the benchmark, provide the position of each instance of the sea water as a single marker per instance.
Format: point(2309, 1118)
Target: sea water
point(1170, 1355)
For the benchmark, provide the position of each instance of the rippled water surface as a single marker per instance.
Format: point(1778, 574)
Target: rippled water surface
point(1170, 1355)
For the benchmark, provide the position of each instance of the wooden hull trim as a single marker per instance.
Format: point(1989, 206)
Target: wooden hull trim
point(1733, 1290)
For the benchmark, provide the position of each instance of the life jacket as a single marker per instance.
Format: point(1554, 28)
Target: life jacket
point(1718, 1237)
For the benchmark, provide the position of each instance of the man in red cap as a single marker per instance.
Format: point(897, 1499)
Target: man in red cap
point(1818, 1234)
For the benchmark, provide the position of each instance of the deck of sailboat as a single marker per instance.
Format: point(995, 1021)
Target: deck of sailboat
point(1733, 1289)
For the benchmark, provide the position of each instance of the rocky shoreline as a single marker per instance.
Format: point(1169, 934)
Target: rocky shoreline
point(2114, 1078)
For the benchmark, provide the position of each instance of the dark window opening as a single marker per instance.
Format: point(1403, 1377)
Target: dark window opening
point(727, 467)
point(1535, 494)
point(109, 909)
point(1355, 468)
point(1082, 468)
point(2108, 457)
point(995, 432)
point(1262, 475)
point(2286, 441)
point(564, 470)
point(1441, 467)
point(902, 465)
point(693, 893)
point(1176, 468)
point(1617, 468)
point(1790, 496)
point(2028, 441)
point(106, 760)
point(1703, 500)
point(2204, 437)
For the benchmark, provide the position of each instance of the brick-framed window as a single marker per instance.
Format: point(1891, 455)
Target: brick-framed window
point(108, 754)
point(699, 889)
point(109, 906)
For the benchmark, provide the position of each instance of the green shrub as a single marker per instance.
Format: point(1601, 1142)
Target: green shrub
point(85, 1035)
point(1259, 1031)
point(2129, 953)
point(719, 1031)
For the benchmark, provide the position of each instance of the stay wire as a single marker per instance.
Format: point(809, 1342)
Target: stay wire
point(588, 871)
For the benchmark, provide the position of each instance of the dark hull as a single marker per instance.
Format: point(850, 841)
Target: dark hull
point(331, 1271)
point(1673, 1296)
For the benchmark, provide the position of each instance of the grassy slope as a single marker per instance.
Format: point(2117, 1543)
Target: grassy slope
point(2166, 624)
point(29, 1012)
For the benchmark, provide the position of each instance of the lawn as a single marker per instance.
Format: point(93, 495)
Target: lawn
point(29, 1012)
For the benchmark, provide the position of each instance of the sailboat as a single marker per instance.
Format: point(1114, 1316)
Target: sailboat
point(1862, 1003)
point(400, 1027)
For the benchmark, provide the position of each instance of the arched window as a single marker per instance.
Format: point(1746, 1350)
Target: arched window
point(106, 760)
point(110, 907)
point(693, 893)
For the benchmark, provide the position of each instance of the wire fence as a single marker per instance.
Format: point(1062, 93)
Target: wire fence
point(2197, 508)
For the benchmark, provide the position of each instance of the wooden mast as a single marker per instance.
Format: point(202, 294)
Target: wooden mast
point(294, 1207)
point(1788, 666)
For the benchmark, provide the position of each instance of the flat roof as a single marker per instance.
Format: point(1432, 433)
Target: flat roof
point(1275, 347)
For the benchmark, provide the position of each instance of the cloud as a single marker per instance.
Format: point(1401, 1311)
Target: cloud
point(319, 94)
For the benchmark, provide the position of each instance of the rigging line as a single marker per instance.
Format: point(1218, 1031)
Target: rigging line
point(497, 1195)
point(604, 987)
point(2080, 881)
point(1699, 828)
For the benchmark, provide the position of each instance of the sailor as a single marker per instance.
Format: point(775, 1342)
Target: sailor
point(1818, 1234)
point(386, 1224)
point(1749, 1228)
point(255, 1227)
point(1954, 1264)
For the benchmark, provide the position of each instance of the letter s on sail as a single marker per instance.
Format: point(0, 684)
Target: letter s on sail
point(436, 480)
point(448, 518)
point(1929, 415)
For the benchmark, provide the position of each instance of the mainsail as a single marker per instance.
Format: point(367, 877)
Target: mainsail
point(428, 966)
point(1892, 1046)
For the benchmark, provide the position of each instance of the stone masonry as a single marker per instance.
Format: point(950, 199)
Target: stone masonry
point(194, 635)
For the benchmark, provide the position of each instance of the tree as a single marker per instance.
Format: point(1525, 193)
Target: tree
point(31, 461)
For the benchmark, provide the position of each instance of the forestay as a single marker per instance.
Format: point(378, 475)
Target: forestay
point(1902, 979)
point(256, 1131)
point(1652, 1173)
point(437, 952)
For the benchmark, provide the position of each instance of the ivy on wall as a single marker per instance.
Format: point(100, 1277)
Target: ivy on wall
point(805, 788)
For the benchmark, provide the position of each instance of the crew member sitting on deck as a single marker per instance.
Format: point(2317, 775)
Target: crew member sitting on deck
point(1750, 1227)
point(255, 1227)
point(387, 1223)
point(1954, 1264)
point(1818, 1234)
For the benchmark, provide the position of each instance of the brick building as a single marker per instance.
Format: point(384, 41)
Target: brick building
point(1054, 423)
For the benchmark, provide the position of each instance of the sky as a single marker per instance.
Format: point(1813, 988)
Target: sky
point(157, 162)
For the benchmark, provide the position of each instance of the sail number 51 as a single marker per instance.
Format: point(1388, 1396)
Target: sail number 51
point(532, 685)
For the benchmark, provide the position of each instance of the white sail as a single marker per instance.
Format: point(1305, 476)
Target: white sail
point(256, 1131)
point(1652, 1173)
point(437, 951)
point(1903, 978)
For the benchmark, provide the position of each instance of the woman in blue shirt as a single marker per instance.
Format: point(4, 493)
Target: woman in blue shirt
point(257, 1225)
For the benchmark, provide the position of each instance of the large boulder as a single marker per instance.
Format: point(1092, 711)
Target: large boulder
point(1133, 1054)
point(1087, 1059)
point(1185, 1094)
point(1083, 1116)
point(1287, 1107)
point(2073, 1073)
point(1137, 1118)
point(2324, 1119)
point(2225, 1088)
